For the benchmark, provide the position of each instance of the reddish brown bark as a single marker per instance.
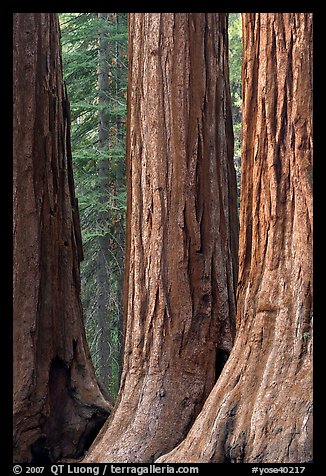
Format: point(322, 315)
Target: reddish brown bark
point(182, 233)
point(58, 407)
point(260, 410)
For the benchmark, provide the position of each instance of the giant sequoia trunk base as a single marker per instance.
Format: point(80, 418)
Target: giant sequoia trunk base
point(182, 233)
point(58, 407)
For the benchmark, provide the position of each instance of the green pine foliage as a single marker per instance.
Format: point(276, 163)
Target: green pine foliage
point(235, 65)
point(79, 36)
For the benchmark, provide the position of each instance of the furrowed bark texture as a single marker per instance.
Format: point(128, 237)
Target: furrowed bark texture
point(58, 407)
point(182, 233)
point(260, 410)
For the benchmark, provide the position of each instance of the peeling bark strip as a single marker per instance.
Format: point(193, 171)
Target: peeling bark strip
point(260, 410)
point(182, 232)
point(58, 407)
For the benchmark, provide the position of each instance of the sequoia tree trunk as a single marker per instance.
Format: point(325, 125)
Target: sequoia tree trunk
point(182, 232)
point(260, 410)
point(58, 407)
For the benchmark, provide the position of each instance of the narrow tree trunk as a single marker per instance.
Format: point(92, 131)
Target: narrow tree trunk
point(181, 232)
point(58, 407)
point(102, 273)
point(261, 408)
